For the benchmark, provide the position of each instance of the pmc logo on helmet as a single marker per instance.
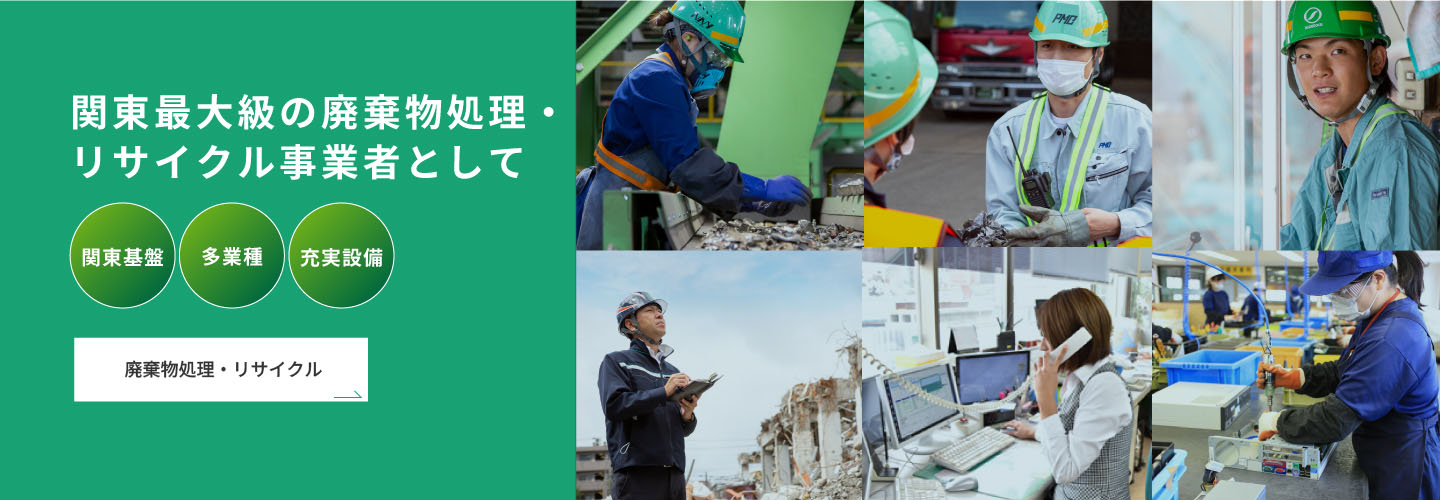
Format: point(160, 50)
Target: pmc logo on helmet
point(1062, 18)
point(1312, 16)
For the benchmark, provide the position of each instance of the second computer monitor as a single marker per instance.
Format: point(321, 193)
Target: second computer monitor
point(912, 414)
point(990, 377)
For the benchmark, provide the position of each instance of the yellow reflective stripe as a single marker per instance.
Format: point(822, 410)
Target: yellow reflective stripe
point(1033, 125)
point(1384, 111)
point(1026, 131)
point(663, 57)
point(1356, 15)
point(1070, 185)
point(1090, 146)
point(894, 107)
point(893, 228)
point(1096, 28)
point(724, 38)
point(1039, 26)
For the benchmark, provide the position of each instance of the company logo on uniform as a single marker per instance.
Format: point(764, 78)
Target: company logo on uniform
point(1062, 18)
point(1379, 193)
point(1104, 144)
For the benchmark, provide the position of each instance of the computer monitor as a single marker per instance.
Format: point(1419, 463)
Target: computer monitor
point(911, 415)
point(964, 339)
point(991, 376)
point(872, 424)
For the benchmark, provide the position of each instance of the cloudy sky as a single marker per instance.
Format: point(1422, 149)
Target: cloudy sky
point(764, 320)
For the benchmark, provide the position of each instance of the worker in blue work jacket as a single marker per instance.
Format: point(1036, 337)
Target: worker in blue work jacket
point(1374, 183)
point(649, 139)
point(1250, 311)
point(1382, 391)
point(1297, 302)
point(644, 430)
point(1077, 148)
point(1216, 302)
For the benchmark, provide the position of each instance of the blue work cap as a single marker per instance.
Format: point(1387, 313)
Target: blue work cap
point(1338, 269)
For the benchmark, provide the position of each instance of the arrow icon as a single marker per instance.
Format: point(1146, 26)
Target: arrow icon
point(356, 396)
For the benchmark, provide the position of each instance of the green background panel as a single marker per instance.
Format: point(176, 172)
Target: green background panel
point(448, 417)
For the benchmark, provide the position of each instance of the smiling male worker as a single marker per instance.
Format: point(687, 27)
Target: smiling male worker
point(1091, 145)
point(1373, 184)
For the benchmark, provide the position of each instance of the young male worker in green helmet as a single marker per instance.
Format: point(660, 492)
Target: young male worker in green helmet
point(1373, 184)
point(1071, 167)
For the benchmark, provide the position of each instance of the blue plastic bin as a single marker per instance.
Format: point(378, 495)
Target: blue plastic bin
point(1214, 367)
point(1306, 346)
point(1166, 485)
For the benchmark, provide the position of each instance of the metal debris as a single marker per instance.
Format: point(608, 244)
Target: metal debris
point(983, 231)
point(803, 235)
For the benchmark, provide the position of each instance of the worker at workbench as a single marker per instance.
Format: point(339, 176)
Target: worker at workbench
point(1087, 438)
point(649, 139)
point(1250, 312)
point(1216, 302)
point(1383, 389)
point(1092, 143)
point(1375, 181)
point(900, 73)
point(645, 431)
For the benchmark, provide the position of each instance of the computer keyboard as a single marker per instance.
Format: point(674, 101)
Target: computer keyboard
point(961, 455)
point(918, 488)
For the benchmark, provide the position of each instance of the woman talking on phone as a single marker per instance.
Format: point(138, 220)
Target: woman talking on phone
point(1087, 439)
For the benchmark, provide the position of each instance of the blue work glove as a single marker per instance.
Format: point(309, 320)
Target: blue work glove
point(767, 208)
point(784, 188)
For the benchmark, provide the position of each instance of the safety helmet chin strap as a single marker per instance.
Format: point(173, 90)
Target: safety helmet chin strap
point(1365, 100)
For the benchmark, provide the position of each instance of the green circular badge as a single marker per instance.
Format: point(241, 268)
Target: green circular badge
point(341, 255)
point(122, 255)
point(231, 255)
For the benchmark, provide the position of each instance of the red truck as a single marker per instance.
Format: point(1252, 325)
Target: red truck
point(986, 56)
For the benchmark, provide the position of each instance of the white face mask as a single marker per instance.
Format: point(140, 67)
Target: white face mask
point(1062, 77)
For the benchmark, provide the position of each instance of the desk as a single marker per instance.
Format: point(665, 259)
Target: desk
point(1020, 472)
point(1342, 477)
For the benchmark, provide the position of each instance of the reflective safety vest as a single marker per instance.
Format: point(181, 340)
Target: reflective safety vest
point(1085, 141)
point(1389, 109)
point(620, 166)
point(893, 228)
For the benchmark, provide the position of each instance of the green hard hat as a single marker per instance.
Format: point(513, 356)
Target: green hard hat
point(900, 73)
point(721, 21)
point(1081, 22)
point(1343, 19)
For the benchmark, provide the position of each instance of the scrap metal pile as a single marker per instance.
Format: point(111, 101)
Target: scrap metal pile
point(983, 231)
point(803, 235)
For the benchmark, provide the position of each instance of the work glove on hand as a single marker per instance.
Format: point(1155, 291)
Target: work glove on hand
point(784, 188)
point(1266, 426)
point(767, 208)
point(1051, 229)
point(1291, 378)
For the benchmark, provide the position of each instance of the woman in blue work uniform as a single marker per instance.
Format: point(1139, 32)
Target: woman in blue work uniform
point(1216, 302)
point(1250, 312)
point(1383, 388)
point(649, 139)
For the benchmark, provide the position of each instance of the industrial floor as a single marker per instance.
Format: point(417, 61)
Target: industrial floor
point(945, 177)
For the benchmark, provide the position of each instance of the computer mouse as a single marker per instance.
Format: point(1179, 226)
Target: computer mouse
point(961, 483)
